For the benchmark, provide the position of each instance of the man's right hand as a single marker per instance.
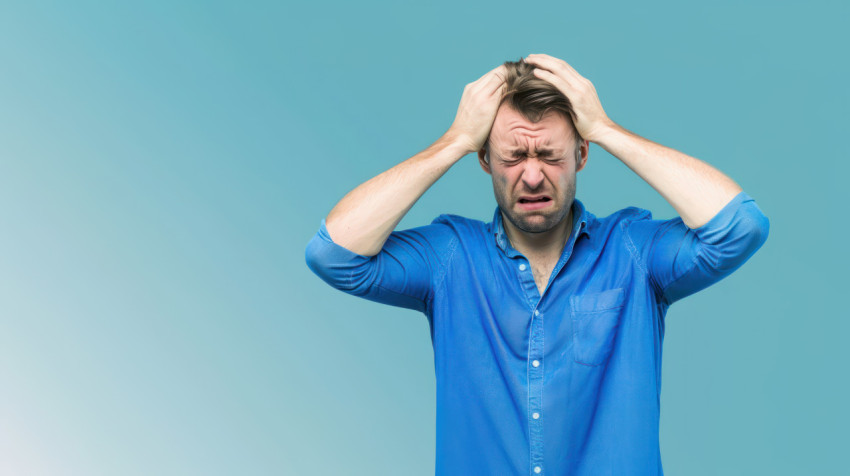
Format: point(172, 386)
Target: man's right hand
point(364, 219)
point(477, 110)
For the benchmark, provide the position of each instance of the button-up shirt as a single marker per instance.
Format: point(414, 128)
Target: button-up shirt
point(566, 382)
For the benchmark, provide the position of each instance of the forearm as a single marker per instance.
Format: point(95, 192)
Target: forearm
point(695, 189)
point(363, 220)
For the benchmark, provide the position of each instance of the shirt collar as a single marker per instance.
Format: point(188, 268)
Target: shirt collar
point(580, 220)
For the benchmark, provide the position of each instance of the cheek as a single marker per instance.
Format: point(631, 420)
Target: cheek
point(560, 176)
point(501, 181)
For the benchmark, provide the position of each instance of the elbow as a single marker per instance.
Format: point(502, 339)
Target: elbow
point(760, 230)
point(340, 268)
point(754, 226)
point(314, 257)
point(747, 236)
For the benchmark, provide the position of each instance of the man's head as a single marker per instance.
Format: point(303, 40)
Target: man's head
point(533, 151)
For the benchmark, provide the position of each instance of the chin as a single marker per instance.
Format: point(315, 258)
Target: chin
point(539, 227)
point(535, 223)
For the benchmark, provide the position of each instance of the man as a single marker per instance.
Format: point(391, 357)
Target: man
point(547, 323)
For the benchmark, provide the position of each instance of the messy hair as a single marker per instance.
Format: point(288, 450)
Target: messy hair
point(533, 97)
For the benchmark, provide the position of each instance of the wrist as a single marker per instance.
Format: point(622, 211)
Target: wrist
point(459, 143)
point(599, 132)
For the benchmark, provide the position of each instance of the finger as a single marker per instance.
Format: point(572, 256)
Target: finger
point(497, 80)
point(492, 80)
point(549, 60)
point(552, 77)
point(498, 73)
point(490, 74)
point(558, 81)
point(498, 90)
point(552, 64)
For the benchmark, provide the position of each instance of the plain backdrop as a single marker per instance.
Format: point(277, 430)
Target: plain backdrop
point(164, 164)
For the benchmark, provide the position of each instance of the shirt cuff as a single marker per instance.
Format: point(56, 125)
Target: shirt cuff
point(718, 228)
point(324, 235)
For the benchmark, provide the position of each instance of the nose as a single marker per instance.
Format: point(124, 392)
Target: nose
point(532, 174)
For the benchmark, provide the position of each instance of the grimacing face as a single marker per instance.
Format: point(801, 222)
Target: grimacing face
point(533, 165)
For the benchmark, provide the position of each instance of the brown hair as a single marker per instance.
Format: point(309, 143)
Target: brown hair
point(533, 97)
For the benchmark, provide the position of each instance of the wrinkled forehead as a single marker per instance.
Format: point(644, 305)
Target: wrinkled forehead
point(511, 131)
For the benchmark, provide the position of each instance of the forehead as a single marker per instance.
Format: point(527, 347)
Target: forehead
point(512, 131)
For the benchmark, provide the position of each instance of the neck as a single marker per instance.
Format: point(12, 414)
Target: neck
point(550, 242)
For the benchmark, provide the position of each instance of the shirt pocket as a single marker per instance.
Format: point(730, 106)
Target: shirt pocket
point(596, 317)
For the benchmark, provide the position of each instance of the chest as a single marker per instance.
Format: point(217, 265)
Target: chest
point(541, 269)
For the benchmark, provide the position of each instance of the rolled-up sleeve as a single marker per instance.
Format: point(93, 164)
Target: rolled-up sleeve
point(402, 274)
point(681, 261)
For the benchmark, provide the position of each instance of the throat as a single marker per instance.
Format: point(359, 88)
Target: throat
point(542, 246)
point(542, 271)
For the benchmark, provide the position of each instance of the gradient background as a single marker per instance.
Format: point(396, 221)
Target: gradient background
point(163, 166)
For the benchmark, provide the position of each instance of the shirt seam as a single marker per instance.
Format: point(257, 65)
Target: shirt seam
point(372, 278)
point(684, 274)
point(632, 248)
point(398, 293)
point(439, 282)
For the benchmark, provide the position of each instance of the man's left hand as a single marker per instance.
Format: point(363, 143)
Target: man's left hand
point(590, 119)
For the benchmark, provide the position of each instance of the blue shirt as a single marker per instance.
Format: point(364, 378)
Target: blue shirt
point(563, 383)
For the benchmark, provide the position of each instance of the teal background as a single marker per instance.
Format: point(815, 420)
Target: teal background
point(163, 166)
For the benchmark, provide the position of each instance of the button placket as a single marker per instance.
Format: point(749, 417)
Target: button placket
point(535, 391)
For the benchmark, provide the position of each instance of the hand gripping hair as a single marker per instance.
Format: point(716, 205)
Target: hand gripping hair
point(533, 97)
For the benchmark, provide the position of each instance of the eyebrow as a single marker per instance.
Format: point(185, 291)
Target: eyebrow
point(544, 152)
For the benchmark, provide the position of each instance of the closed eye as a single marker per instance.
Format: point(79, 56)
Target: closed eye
point(516, 161)
point(519, 157)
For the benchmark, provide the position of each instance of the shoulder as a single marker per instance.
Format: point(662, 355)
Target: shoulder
point(632, 226)
point(458, 230)
point(459, 224)
point(632, 214)
point(619, 219)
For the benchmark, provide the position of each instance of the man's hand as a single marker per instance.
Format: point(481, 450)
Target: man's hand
point(477, 110)
point(694, 188)
point(589, 118)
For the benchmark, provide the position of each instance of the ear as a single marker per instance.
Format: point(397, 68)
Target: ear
point(482, 160)
point(585, 152)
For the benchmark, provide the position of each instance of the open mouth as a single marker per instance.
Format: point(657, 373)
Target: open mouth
point(541, 199)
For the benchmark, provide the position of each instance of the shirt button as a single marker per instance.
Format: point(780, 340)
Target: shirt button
point(536, 363)
point(535, 415)
point(537, 469)
point(536, 312)
point(522, 267)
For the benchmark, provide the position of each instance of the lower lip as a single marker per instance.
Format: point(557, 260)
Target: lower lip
point(534, 205)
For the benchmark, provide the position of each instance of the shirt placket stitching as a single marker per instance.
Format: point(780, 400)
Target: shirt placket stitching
point(535, 403)
point(536, 347)
point(534, 376)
